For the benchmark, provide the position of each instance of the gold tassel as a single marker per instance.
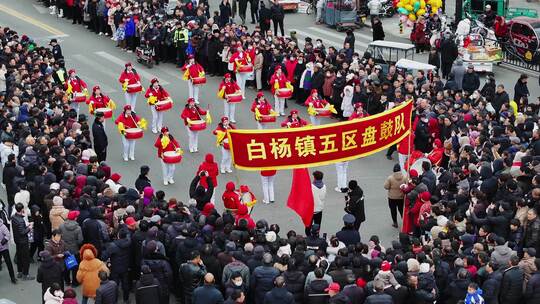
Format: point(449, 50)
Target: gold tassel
point(121, 128)
point(221, 93)
point(143, 124)
point(111, 105)
point(208, 118)
point(125, 85)
point(186, 75)
point(152, 100)
point(165, 140)
point(220, 136)
point(257, 114)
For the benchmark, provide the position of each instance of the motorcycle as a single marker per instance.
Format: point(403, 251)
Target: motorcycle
point(387, 9)
point(145, 54)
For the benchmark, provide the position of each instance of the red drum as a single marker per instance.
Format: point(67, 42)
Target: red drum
point(323, 112)
point(164, 105)
point(134, 133)
point(248, 68)
point(197, 125)
point(134, 88)
point(198, 80)
point(171, 157)
point(284, 93)
point(107, 113)
point(79, 97)
point(234, 98)
point(226, 144)
point(267, 118)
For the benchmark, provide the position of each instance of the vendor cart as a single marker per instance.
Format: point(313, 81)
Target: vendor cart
point(481, 53)
point(289, 5)
point(340, 14)
point(524, 39)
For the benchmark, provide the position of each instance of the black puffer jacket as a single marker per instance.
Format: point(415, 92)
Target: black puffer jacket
point(191, 277)
point(119, 251)
point(491, 287)
point(262, 281)
point(532, 292)
point(49, 272)
point(294, 282)
point(20, 230)
point(147, 289)
point(161, 269)
point(315, 294)
point(107, 292)
point(511, 289)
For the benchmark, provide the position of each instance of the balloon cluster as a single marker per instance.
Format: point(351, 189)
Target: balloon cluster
point(412, 9)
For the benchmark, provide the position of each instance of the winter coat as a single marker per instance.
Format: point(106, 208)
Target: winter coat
point(471, 82)
point(191, 277)
point(262, 281)
point(379, 298)
point(501, 254)
point(49, 298)
point(392, 184)
point(71, 235)
point(147, 289)
point(316, 287)
point(491, 287)
point(532, 235)
point(57, 216)
point(528, 267)
point(199, 194)
point(356, 199)
point(378, 32)
point(236, 266)
point(93, 230)
point(207, 294)
point(19, 228)
point(511, 289)
point(532, 291)
point(100, 137)
point(294, 283)
point(500, 99)
point(5, 236)
point(457, 290)
point(459, 71)
point(119, 252)
point(88, 271)
point(48, 273)
point(161, 269)
point(279, 296)
point(107, 293)
point(520, 90)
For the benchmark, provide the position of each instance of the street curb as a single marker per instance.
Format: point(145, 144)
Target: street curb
point(519, 70)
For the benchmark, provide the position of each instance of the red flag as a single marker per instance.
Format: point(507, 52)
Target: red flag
point(301, 197)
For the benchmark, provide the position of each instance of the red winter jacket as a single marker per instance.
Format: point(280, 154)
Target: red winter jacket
point(194, 113)
point(172, 146)
point(231, 198)
point(210, 166)
point(243, 213)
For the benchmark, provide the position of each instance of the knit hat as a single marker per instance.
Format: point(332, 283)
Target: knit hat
point(425, 196)
point(386, 266)
point(360, 283)
point(54, 186)
point(130, 221)
point(57, 201)
point(413, 173)
point(271, 236)
point(115, 177)
point(424, 268)
point(248, 247)
point(72, 215)
point(130, 209)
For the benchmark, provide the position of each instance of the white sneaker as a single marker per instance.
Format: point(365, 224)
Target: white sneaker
point(191, 150)
point(222, 171)
point(196, 102)
point(337, 189)
point(196, 150)
point(53, 10)
point(154, 131)
point(171, 181)
point(233, 121)
point(165, 183)
point(100, 33)
point(229, 171)
point(132, 157)
point(282, 114)
point(266, 202)
point(125, 159)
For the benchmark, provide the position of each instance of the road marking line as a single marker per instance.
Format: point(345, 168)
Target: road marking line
point(121, 62)
point(329, 33)
point(40, 8)
point(30, 20)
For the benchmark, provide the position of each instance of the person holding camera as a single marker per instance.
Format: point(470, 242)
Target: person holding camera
point(354, 203)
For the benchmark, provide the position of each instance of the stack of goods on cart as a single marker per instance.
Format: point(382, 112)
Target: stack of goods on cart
point(476, 48)
point(410, 10)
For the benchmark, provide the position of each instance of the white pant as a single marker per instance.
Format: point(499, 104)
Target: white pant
point(129, 147)
point(341, 169)
point(193, 91)
point(131, 99)
point(226, 160)
point(279, 104)
point(241, 80)
point(402, 158)
point(315, 120)
point(268, 187)
point(260, 126)
point(193, 140)
point(157, 119)
point(76, 107)
point(319, 14)
point(258, 79)
point(229, 109)
point(168, 171)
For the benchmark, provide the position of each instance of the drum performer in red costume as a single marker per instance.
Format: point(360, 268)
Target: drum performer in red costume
point(281, 89)
point(194, 120)
point(242, 66)
point(294, 121)
point(263, 111)
point(194, 75)
point(222, 140)
point(77, 88)
point(158, 99)
point(131, 127)
point(170, 154)
point(230, 92)
point(98, 101)
point(315, 106)
point(131, 84)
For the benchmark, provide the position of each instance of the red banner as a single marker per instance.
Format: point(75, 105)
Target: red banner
point(319, 145)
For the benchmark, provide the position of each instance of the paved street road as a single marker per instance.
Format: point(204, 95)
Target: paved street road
point(98, 61)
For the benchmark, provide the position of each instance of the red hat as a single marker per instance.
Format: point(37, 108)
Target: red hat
point(314, 91)
point(224, 118)
point(130, 221)
point(425, 196)
point(277, 68)
point(72, 215)
point(385, 266)
point(127, 107)
point(190, 56)
point(357, 105)
point(115, 177)
point(244, 188)
point(333, 287)
point(154, 80)
point(71, 71)
point(227, 75)
point(164, 129)
point(413, 173)
point(190, 100)
point(360, 283)
point(96, 88)
point(128, 64)
point(294, 112)
point(260, 94)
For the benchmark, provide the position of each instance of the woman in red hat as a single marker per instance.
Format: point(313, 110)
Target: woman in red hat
point(128, 120)
point(165, 142)
point(156, 93)
point(99, 100)
point(222, 140)
point(294, 121)
point(192, 112)
point(359, 112)
point(131, 84)
point(261, 106)
point(242, 66)
point(279, 81)
point(193, 70)
point(231, 198)
point(228, 87)
point(315, 102)
point(77, 88)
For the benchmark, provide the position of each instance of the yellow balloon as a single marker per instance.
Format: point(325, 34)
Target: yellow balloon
point(405, 2)
point(421, 12)
point(422, 4)
point(412, 17)
point(434, 10)
point(399, 4)
point(439, 3)
point(408, 7)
